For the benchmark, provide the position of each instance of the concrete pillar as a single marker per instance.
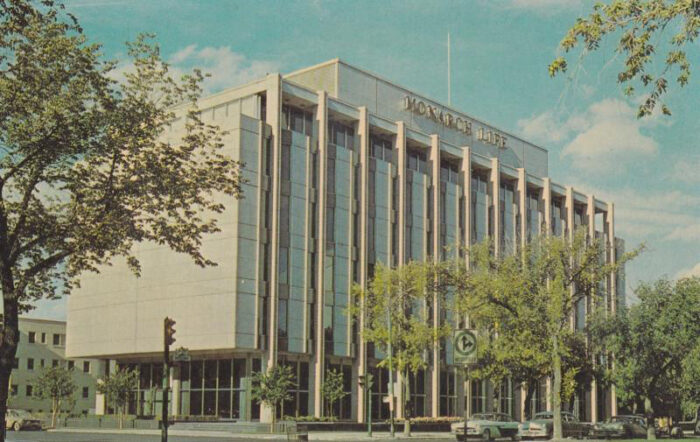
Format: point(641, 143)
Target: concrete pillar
point(364, 134)
point(175, 391)
point(496, 203)
point(610, 219)
point(322, 120)
point(274, 104)
point(435, 232)
point(590, 213)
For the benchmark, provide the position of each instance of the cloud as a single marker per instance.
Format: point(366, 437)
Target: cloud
point(605, 137)
point(687, 273)
point(542, 6)
point(690, 232)
point(226, 67)
point(645, 214)
point(687, 170)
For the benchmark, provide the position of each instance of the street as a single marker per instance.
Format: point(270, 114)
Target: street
point(61, 436)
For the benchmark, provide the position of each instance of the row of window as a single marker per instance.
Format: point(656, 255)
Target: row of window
point(54, 363)
point(58, 339)
point(29, 391)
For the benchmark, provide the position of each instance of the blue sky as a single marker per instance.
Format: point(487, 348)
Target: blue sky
point(649, 168)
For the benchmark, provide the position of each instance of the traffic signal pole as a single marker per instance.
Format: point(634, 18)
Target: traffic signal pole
point(168, 339)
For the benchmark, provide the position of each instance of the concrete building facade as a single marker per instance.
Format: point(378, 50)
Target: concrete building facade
point(42, 344)
point(344, 170)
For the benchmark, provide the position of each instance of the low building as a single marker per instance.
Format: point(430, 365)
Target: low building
point(42, 344)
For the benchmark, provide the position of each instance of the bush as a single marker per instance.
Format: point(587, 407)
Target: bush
point(311, 418)
point(433, 420)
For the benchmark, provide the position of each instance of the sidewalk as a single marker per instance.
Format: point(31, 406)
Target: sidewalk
point(314, 435)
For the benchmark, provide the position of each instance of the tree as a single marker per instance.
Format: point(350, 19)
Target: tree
point(333, 389)
point(402, 297)
point(272, 388)
point(638, 22)
point(656, 346)
point(118, 387)
point(525, 303)
point(55, 384)
point(84, 172)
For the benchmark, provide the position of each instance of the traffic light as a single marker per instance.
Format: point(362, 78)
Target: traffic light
point(169, 325)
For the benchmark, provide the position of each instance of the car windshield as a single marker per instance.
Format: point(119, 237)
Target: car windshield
point(482, 417)
point(547, 415)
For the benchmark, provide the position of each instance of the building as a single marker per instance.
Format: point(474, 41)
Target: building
point(42, 344)
point(345, 170)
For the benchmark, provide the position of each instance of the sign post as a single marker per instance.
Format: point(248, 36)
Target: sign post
point(464, 343)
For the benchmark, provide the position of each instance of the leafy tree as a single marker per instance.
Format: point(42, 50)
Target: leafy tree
point(118, 387)
point(525, 302)
point(638, 22)
point(84, 172)
point(55, 384)
point(405, 295)
point(656, 348)
point(272, 388)
point(332, 389)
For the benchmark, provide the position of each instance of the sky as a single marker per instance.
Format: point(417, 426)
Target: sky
point(500, 49)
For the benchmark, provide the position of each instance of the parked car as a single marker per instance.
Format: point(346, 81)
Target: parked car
point(487, 426)
point(541, 426)
point(629, 427)
point(21, 420)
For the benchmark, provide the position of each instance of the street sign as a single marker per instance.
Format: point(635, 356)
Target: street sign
point(464, 341)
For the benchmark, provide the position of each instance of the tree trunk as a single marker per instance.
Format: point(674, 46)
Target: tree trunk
point(649, 413)
point(54, 411)
point(406, 412)
point(528, 400)
point(120, 412)
point(274, 418)
point(8, 342)
point(557, 433)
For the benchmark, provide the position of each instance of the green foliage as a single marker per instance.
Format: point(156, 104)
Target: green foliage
point(403, 293)
point(118, 387)
point(55, 384)
point(85, 172)
point(523, 304)
point(636, 23)
point(332, 388)
point(656, 346)
point(272, 387)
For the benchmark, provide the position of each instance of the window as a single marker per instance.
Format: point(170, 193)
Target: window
point(43, 338)
point(56, 339)
point(71, 365)
point(29, 390)
point(13, 390)
point(416, 161)
point(297, 120)
point(54, 363)
point(341, 135)
point(32, 337)
point(86, 366)
point(41, 363)
point(30, 364)
point(86, 392)
point(381, 148)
